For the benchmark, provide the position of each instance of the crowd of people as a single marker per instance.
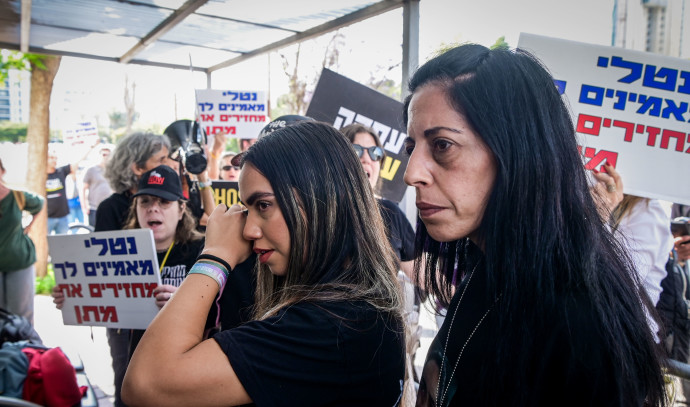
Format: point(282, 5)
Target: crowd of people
point(556, 290)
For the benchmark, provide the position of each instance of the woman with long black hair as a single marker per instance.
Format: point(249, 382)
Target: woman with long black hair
point(544, 306)
point(328, 328)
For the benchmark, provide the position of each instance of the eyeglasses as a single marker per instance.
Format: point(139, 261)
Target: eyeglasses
point(375, 152)
point(147, 201)
point(230, 167)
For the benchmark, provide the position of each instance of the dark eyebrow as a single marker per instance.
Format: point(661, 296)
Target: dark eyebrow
point(257, 195)
point(436, 130)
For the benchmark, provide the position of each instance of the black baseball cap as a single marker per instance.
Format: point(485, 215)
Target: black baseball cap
point(282, 122)
point(277, 124)
point(162, 182)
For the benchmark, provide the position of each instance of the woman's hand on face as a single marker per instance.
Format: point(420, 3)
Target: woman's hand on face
point(58, 297)
point(163, 293)
point(609, 189)
point(224, 235)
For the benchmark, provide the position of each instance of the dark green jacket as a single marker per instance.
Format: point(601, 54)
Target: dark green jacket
point(16, 249)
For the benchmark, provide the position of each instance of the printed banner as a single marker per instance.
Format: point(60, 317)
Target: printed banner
point(630, 109)
point(226, 192)
point(239, 114)
point(342, 101)
point(82, 133)
point(107, 278)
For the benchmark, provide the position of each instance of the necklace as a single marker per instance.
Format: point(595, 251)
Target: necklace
point(450, 328)
point(160, 269)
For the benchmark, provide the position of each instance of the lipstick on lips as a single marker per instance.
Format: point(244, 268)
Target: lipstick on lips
point(263, 254)
point(427, 209)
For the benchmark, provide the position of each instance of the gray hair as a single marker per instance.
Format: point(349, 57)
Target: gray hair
point(136, 149)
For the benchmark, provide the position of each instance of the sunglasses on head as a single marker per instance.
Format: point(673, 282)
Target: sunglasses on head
point(375, 152)
point(230, 167)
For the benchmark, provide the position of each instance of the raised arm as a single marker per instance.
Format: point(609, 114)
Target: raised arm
point(196, 372)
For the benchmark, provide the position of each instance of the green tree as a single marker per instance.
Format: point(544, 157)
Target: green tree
point(13, 132)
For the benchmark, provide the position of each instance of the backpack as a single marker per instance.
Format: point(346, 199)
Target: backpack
point(13, 367)
point(51, 379)
point(15, 328)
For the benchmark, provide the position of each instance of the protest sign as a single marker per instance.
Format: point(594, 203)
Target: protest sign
point(225, 192)
point(82, 133)
point(342, 101)
point(630, 109)
point(107, 278)
point(239, 114)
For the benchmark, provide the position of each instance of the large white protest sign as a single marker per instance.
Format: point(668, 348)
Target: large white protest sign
point(107, 278)
point(630, 108)
point(239, 114)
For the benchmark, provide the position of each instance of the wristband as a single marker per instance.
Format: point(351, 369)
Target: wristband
point(211, 270)
point(218, 260)
point(203, 185)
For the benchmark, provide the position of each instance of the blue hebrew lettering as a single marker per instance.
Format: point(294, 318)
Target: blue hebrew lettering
point(90, 269)
point(676, 111)
point(101, 242)
point(635, 69)
point(598, 95)
point(651, 104)
point(685, 87)
point(119, 268)
point(117, 246)
point(622, 97)
point(132, 268)
point(146, 267)
point(132, 245)
point(669, 75)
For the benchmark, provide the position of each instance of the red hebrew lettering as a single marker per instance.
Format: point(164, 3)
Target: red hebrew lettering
point(95, 290)
point(208, 117)
point(149, 289)
point(113, 286)
point(109, 313)
point(140, 288)
point(588, 124)
point(628, 129)
point(598, 158)
point(653, 132)
point(666, 136)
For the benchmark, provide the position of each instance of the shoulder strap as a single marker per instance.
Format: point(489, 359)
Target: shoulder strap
point(20, 198)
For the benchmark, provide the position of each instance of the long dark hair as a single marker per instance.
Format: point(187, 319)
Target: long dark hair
point(544, 243)
point(338, 245)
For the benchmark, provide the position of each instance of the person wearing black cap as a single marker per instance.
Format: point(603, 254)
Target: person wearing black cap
point(159, 205)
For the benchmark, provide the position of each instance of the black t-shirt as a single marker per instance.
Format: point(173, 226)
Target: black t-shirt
point(182, 257)
point(238, 296)
point(398, 229)
point(112, 212)
point(55, 192)
point(325, 354)
point(571, 363)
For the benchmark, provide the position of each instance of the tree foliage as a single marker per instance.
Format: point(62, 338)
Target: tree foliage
point(17, 60)
point(12, 132)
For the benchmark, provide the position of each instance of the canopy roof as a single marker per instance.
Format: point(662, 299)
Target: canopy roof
point(168, 33)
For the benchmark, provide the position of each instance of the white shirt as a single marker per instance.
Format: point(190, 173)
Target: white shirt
point(646, 232)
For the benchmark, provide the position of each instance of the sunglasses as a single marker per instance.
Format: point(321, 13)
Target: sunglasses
point(147, 201)
point(230, 167)
point(375, 152)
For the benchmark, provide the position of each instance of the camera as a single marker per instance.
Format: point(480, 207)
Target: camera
point(680, 227)
point(187, 140)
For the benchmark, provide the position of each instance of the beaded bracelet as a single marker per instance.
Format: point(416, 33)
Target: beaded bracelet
point(212, 270)
point(203, 185)
point(216, 259)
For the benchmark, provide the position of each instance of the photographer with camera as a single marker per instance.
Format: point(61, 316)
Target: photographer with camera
point(188, 156)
